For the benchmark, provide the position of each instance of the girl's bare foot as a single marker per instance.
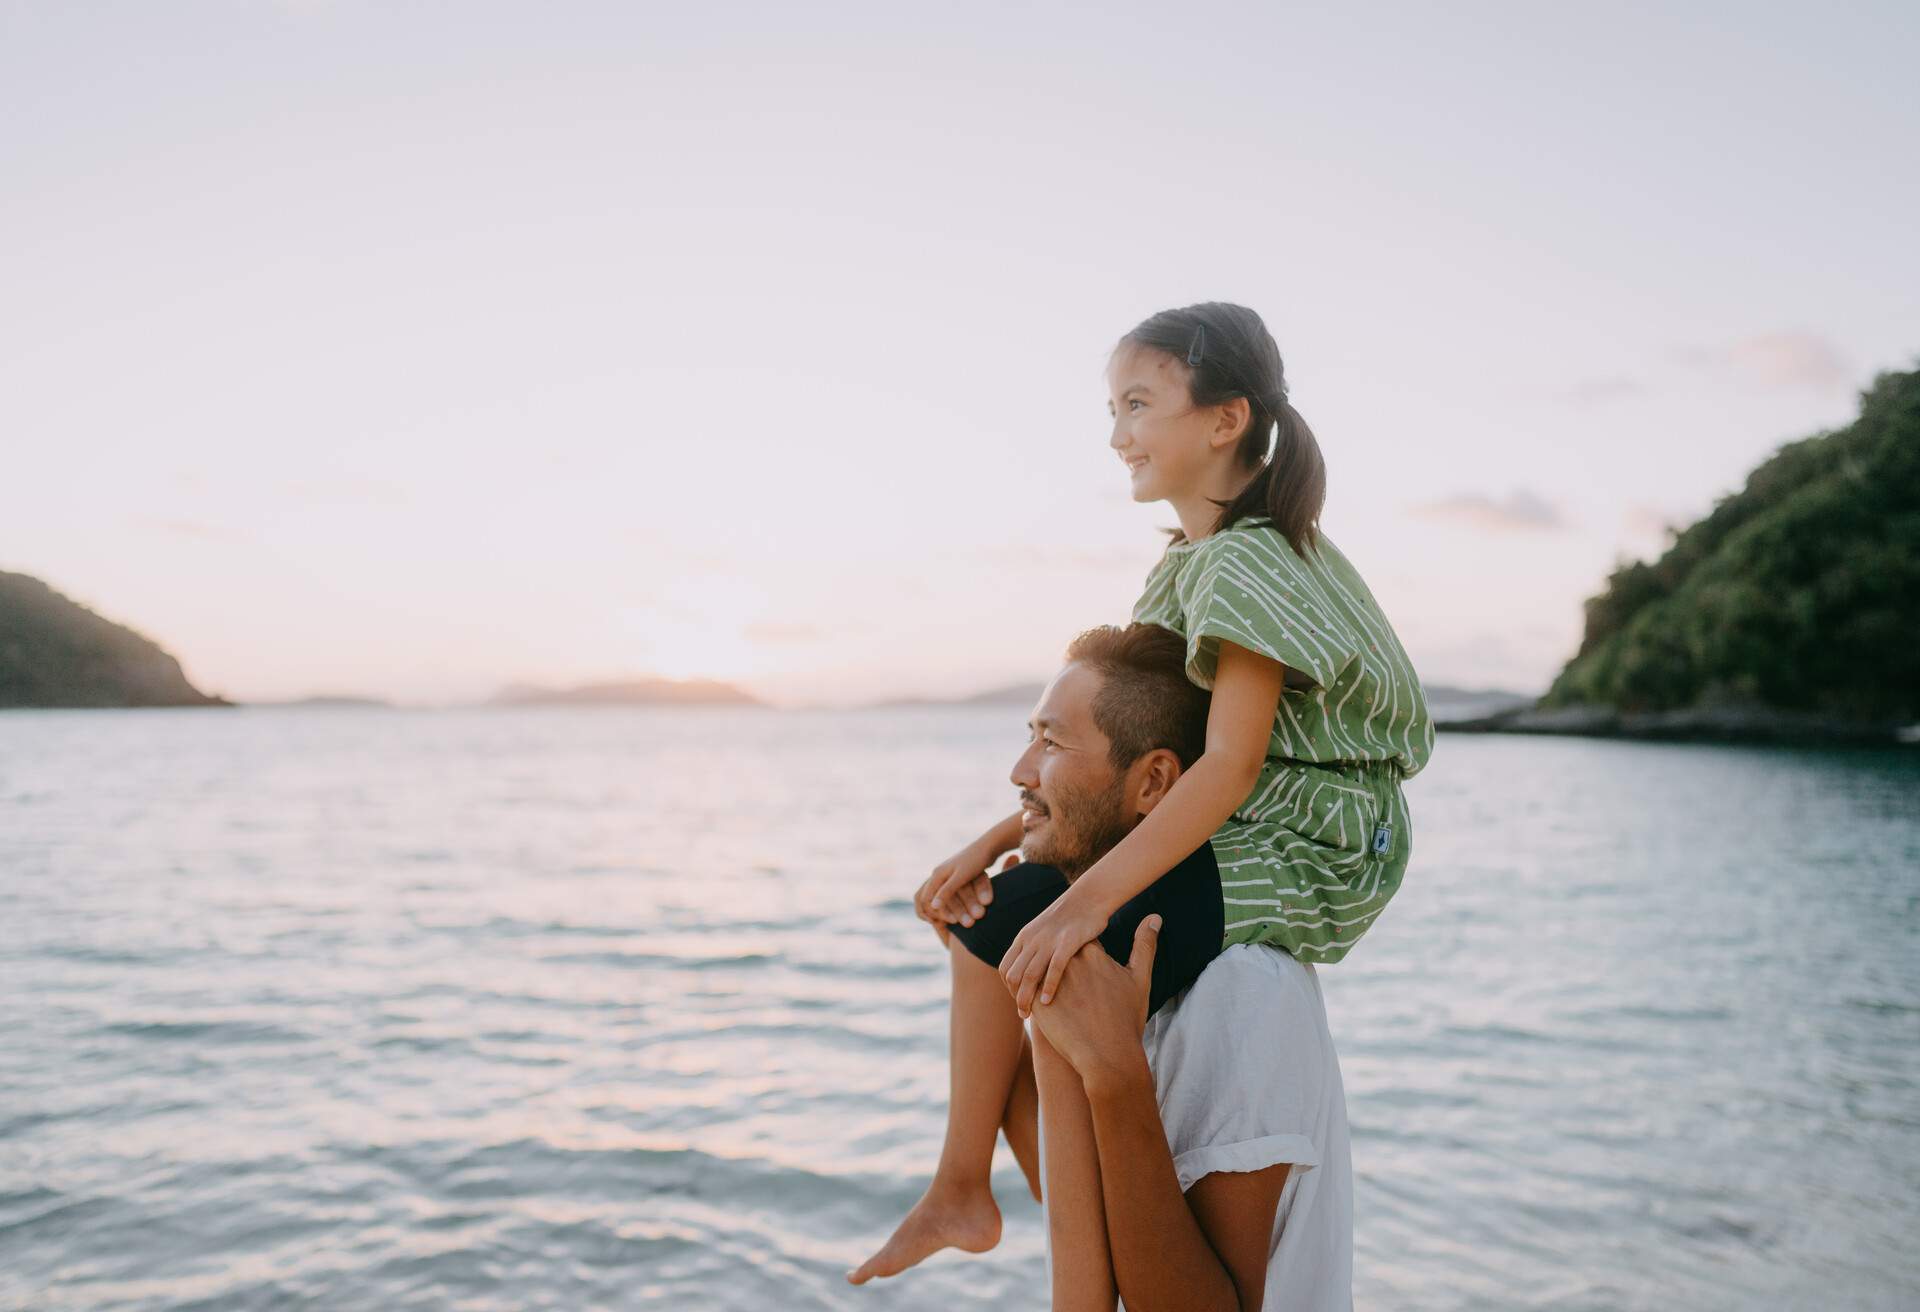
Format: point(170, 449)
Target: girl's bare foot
point(943, 1218)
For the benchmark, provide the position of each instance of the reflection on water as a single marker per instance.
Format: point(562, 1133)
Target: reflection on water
point(572, 1008)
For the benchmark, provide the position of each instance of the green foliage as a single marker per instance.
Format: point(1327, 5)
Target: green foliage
point(1800, 592)
point(56, 652)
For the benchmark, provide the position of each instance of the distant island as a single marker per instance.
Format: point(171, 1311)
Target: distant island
point(54, 652)
point(1013, 694)
point(1448, 705)
point(628, 692)
point(1445, 702)
point(1790, 613)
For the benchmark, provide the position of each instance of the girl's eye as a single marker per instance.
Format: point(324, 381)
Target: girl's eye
point(1134, 402)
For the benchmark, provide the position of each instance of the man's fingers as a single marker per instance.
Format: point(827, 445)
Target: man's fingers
point(1018, 971)
point(1145, 939)
point(1023, 1000)
point(1010, 966)
point(983, 889)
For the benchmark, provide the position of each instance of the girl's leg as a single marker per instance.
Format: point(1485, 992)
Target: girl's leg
point(1021, 1123)
point(983, 1047)
point(1082, 1258)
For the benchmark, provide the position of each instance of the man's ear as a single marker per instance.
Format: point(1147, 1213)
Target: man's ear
point(1154, 777)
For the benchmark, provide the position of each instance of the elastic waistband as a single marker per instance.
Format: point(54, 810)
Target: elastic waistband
point(1372, 771)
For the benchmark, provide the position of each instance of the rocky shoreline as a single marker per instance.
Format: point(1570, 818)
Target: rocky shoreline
point(1715, 724)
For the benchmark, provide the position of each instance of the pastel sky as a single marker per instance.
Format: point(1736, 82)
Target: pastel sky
point(414, 349)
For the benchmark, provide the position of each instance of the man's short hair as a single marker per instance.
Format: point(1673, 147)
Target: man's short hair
point(1145, 699)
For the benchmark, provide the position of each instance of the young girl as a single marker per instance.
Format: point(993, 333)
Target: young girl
point(1316, 718)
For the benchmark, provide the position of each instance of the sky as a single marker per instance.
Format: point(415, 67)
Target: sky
point(413, 350)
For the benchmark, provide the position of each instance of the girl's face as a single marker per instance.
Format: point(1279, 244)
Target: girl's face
point(1169, 447)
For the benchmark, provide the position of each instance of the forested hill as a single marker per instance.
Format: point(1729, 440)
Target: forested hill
point(1799, 593)
point(56, 652)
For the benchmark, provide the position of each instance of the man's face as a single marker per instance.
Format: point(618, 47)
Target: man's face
point(1072, 797)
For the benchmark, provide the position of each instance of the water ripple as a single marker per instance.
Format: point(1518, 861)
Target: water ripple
point(503, 1011)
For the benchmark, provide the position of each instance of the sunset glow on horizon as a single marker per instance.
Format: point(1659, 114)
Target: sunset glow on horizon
point(412, 353)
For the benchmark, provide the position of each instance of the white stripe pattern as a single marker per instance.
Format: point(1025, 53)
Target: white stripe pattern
point(1297, 861)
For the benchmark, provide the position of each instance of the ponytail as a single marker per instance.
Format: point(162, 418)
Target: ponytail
point(1290, 488)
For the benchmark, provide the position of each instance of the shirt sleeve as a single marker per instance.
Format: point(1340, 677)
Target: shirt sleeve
point(1238, 1061)
point(1250, 588)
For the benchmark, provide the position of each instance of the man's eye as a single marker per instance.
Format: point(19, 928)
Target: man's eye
point(1048, 741)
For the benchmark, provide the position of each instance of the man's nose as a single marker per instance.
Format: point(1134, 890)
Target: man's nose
point(1023, 774)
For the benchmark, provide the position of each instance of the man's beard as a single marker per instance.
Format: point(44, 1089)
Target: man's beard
point(1081, 828)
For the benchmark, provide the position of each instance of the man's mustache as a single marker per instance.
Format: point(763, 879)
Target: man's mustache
point(1033, 801)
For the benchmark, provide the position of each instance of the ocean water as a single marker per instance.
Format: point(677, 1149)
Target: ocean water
point(586, 1008)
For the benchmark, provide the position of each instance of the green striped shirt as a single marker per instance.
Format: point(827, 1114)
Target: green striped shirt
point(1318, 848)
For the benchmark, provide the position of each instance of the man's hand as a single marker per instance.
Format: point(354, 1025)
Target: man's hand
point(1039, 953)
point(1096, 1019)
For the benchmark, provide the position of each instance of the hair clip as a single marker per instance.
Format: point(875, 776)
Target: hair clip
point(1199, 342)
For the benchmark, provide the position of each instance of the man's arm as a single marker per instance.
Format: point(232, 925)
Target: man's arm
point(1205, 1250)
point(1166, 1254)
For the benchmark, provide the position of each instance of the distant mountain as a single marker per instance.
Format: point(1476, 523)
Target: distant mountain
point(55, 652)
point(1448, 705)
point(1796, 601)
point(1446, 702)
point(1013, 694)
point(629, 692)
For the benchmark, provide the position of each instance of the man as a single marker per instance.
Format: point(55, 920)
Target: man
point(1199, 1159)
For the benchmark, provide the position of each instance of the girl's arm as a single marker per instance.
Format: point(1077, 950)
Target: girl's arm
point(1246, 696)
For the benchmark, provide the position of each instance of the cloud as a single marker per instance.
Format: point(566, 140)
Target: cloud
point(774, 634)
point(1774, 360)
point(347, 488)
point(185, 528)
point(1520, 511)
point(1591, 393)
point(1014, 555)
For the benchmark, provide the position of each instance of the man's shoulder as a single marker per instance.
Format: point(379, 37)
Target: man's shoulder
point(1251, 962)
point(1249, 988)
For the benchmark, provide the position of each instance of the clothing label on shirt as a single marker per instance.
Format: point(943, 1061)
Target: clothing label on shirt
point(1382, 839)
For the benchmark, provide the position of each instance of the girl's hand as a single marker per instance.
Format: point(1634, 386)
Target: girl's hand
point(958, 889)
point(1039, 954)
point(973, 898)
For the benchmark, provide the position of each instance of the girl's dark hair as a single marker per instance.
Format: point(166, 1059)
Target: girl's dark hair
point(1145, 699)
point(1230, 353)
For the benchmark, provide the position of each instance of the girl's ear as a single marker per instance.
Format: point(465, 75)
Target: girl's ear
point(1234, 416)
